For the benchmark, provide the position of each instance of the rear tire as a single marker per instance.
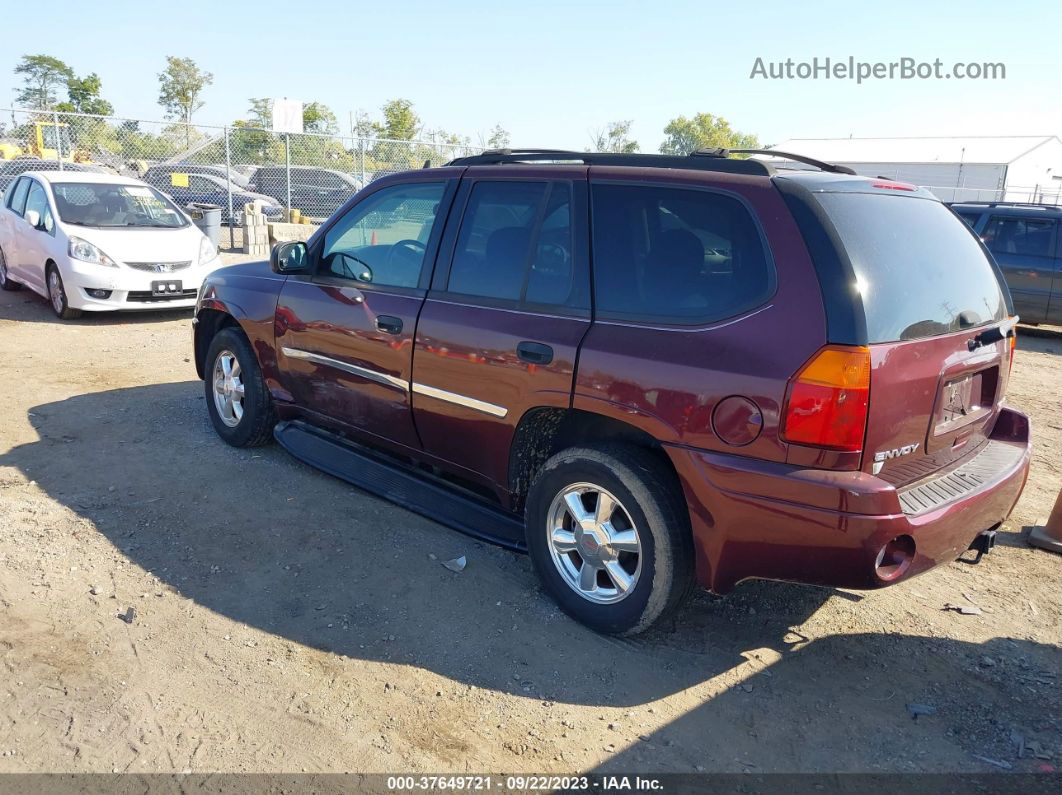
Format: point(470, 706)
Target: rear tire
point(5, 282)
point(57, 295)
point(239, 403)
point(634, 536)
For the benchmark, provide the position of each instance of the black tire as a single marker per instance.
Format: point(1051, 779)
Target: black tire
point(255, 426)
point(63, 311)
point(5, 282)
point(649, 493)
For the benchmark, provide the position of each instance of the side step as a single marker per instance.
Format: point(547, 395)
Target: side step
point(413, 490)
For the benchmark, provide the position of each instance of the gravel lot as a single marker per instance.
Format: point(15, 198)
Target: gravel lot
point(277, 619)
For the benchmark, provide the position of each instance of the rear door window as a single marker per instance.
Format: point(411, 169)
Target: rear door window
point(920, 271)
point(675, 255)
point(1026, 237)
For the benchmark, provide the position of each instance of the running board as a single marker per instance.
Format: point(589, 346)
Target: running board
point(420, 493)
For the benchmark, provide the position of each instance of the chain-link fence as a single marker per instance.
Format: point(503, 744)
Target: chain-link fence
point(1035, 194)
point(228, 167)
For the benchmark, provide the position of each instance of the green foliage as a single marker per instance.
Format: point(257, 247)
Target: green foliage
point(319, 118)
point(498, 138)
point(41, 76)
point(181, 87)
point(615, 138)
point(703, 131)
point(85, 96)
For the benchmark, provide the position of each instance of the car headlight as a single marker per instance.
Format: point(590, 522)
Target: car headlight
point(86, 252)
point(207, 251)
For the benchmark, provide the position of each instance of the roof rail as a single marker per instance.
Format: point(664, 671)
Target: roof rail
point(810, 161)
point(700, 160)
point(987, 203)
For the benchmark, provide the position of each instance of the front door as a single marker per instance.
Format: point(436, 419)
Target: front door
point(510, 303)
point(345, 329)
point(1024, 248)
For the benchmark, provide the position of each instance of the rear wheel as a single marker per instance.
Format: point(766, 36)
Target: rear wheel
point(609, 536)
point(237, 398)
point(5, 282)
point(57, 296)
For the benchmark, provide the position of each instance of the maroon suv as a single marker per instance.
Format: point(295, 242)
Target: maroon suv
point(647, 371)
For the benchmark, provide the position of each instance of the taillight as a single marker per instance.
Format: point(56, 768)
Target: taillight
point(828, 399)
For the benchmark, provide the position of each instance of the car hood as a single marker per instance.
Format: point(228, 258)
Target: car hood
point(129, 244)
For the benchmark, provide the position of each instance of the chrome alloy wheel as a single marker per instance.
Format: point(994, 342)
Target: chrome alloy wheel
point(3, 268)
point(55, 291)
point(593, 543)
point(228, 388)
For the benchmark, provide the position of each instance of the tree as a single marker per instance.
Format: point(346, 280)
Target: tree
point(615, 138)
point(319, 118)
point(41, 76)
point(400, 122)
point(181, 85)
point(703, 131)
point(85, 96)
point(497, 139)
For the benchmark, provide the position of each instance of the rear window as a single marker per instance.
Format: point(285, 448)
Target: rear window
point(920, 270)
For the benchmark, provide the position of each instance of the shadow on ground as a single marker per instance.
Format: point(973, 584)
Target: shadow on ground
point(265, 541)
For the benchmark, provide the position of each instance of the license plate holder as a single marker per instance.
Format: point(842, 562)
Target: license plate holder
point(166, 287)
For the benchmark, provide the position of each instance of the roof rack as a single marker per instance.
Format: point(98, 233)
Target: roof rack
point(1008, 204)
point(697, 160)
point(810, 161)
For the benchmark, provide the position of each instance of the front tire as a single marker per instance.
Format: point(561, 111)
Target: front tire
point(237, 398)
point(5, 281)
point(57, 296)
point(609, 536)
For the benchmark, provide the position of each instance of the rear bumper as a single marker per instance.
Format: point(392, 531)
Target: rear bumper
point(760, 519)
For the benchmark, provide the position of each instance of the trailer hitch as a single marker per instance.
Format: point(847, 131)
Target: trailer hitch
point(982, 545)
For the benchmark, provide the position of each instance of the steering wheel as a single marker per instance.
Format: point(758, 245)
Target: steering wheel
point(409, 247)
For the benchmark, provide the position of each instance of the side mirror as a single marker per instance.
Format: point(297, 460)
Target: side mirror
point(289, 257)
point(33, 218)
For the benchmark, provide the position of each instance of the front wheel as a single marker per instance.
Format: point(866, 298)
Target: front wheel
point(57, 296)
point(237, 398)
point(609, 536)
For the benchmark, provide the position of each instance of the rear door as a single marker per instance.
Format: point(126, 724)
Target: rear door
point(928, 291)
point(509, 305)
point(345, 330)
point(1054, 305)
point(1024, 248)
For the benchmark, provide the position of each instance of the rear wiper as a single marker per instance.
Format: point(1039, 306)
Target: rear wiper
point(994, 334)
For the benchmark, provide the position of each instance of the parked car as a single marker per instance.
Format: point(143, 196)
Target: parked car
point(710, 372)
point(97, 242)
point(1026, 240)
point(316, 192)
point(207, 189)
point(11, 169)
point(159, 176)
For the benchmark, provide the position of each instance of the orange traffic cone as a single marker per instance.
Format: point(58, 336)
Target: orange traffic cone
point(372, 240)
point(1049, 536)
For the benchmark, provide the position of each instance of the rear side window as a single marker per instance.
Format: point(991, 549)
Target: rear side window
point(920, 271)
point(970, 218)
point(675, 255)
point(1026, 237)
point(18, 195)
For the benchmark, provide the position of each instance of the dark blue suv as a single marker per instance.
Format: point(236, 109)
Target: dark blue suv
point(1026, 240)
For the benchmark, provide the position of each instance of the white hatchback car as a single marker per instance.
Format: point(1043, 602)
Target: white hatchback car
point(96, 242)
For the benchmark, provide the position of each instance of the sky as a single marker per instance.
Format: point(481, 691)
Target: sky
point(553, 73)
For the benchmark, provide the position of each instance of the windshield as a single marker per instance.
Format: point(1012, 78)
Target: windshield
point(107, 205)
point(919, 269)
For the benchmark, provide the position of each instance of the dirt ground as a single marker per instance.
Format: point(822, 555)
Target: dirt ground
point(280, 620)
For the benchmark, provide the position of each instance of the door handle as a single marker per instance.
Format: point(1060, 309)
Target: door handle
point(389, 324)
point(535, 352)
